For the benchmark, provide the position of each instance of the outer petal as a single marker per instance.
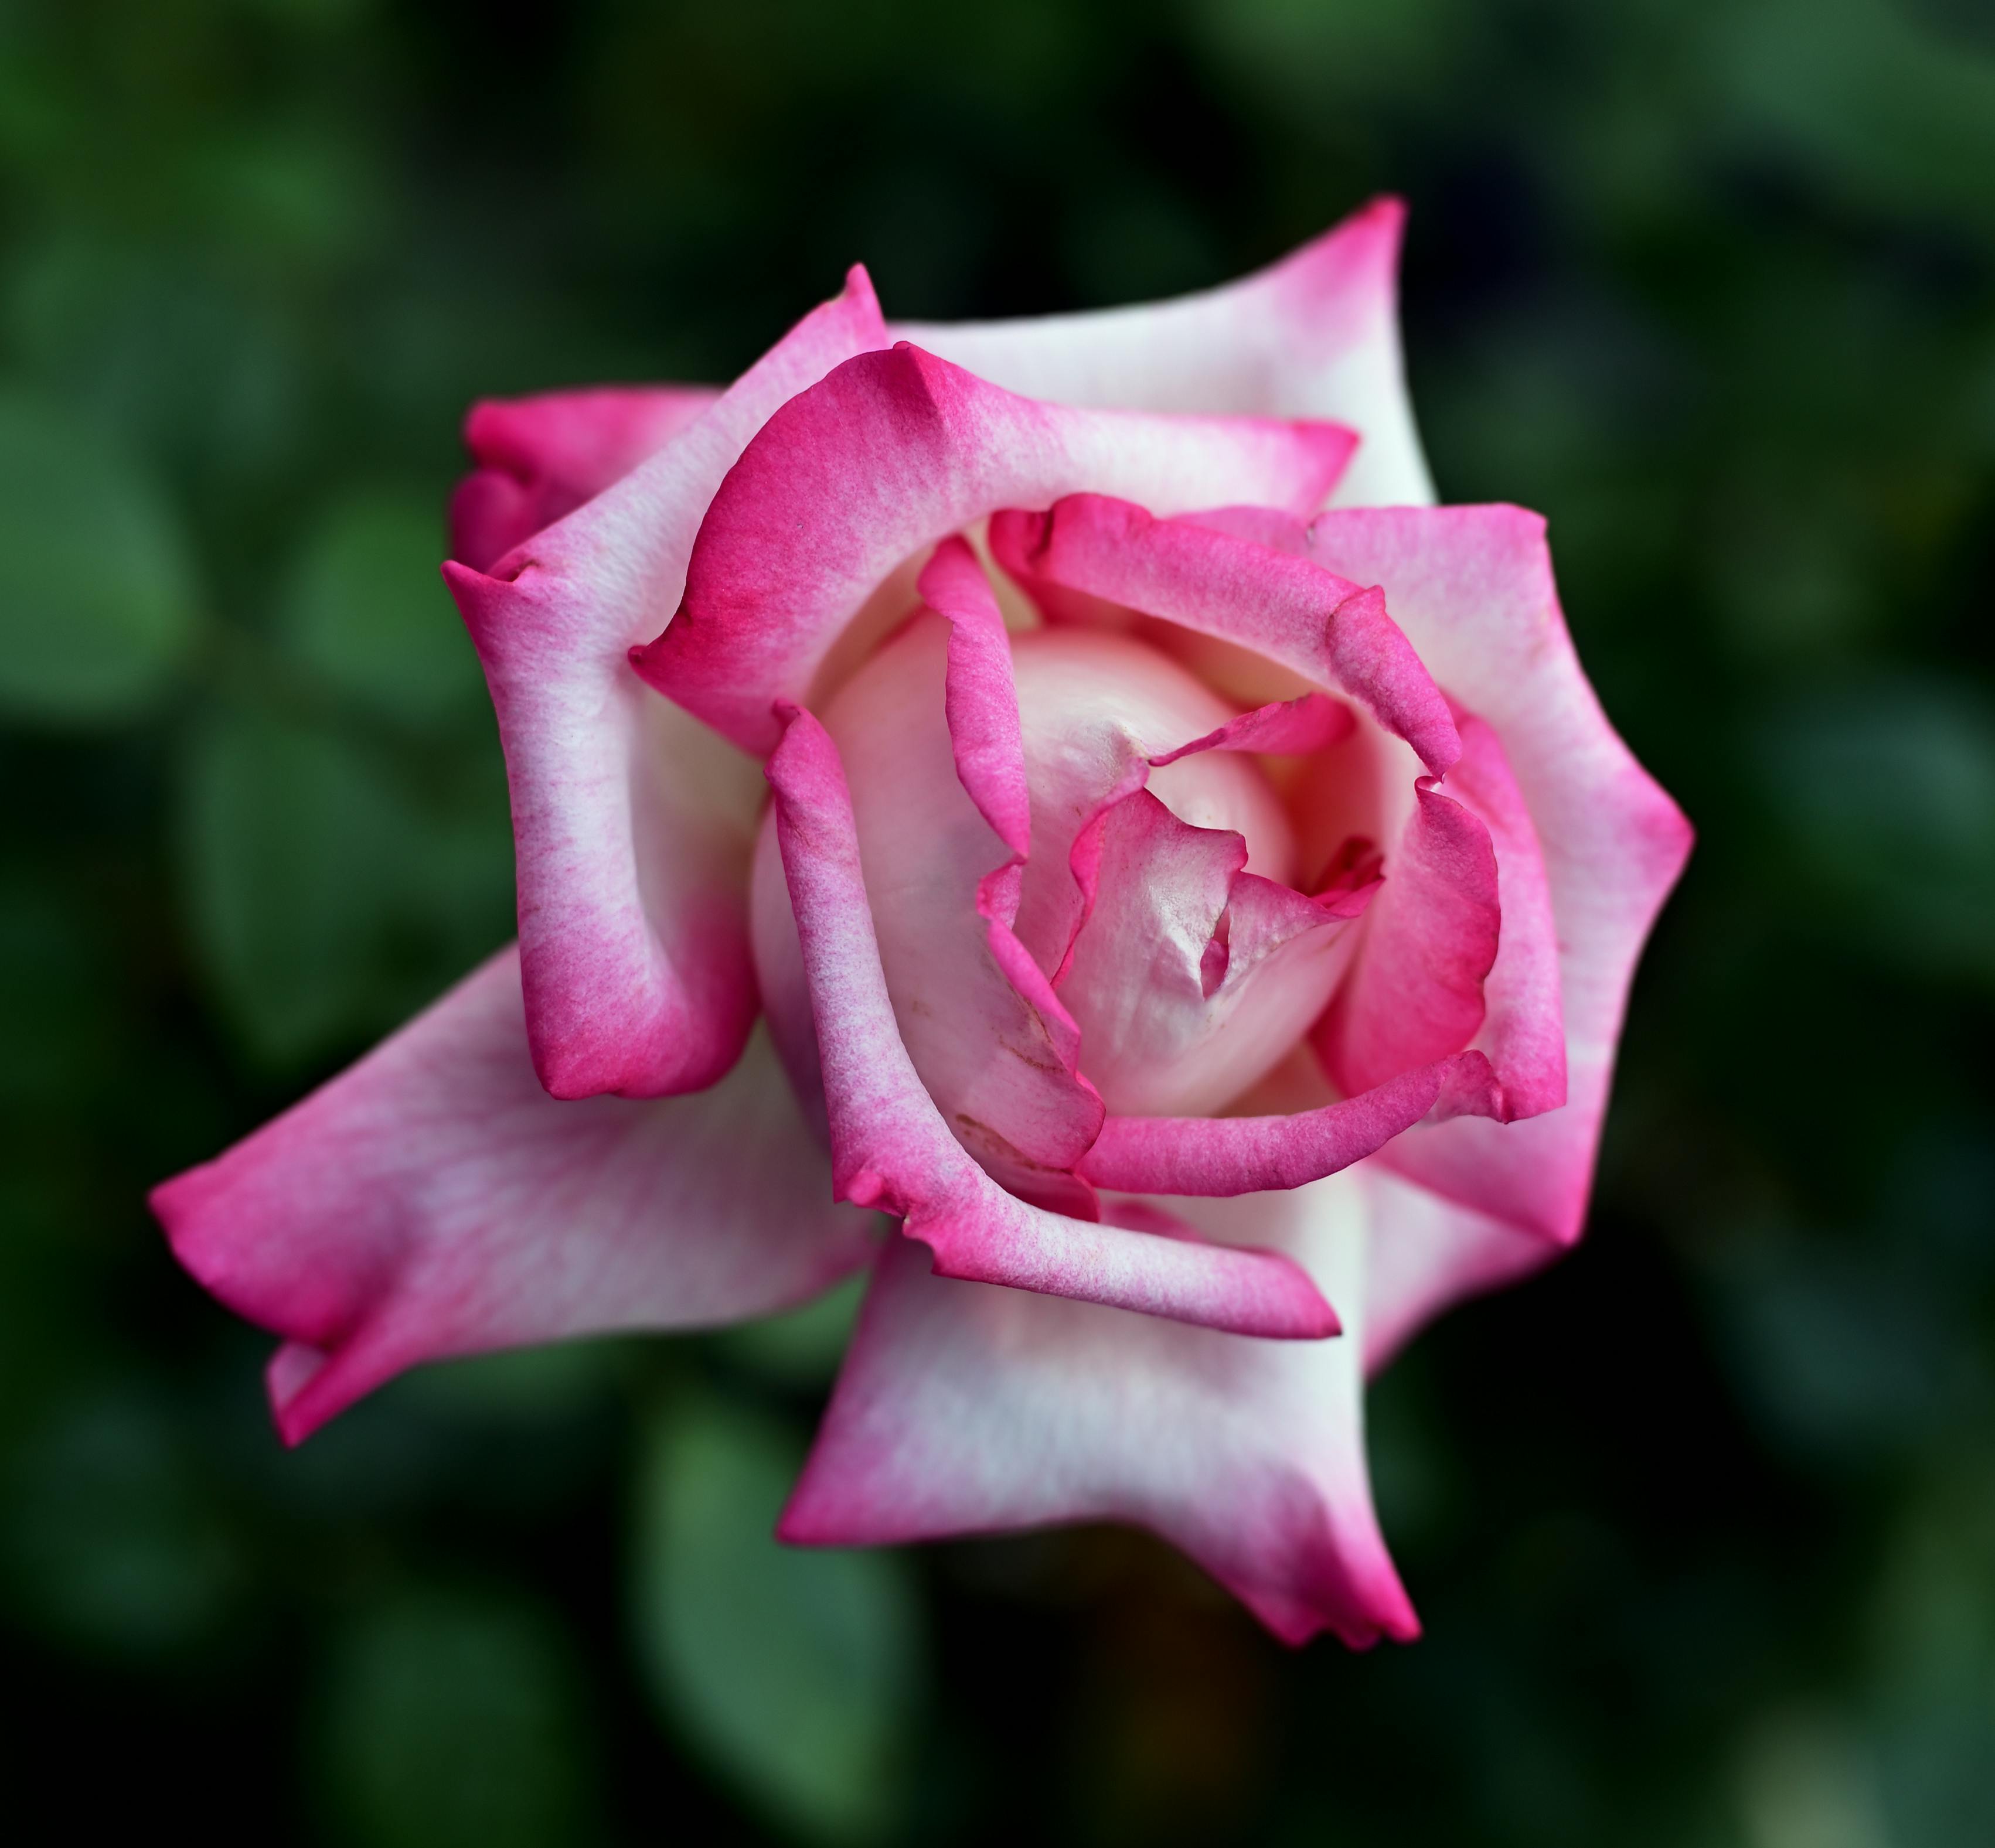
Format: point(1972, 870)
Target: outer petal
point(434, 1200)
point(1429, 1252)
point(964, 1409)
point(887, 455)
point(632, 823)
point(541, 457)
point(1316, 335)
point(1318, 623)
point(890, 1147)
point(1472, 587)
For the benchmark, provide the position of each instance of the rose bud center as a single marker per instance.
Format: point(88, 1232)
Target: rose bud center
point(1178, 1014)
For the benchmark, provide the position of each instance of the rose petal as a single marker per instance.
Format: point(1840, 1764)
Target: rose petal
point(541, 457)
point(1319, 624)
point(1315, 335)
point(632, 823)
point(890, 1147)
point(1222, 1156)
point(981, 701)
point(1428, 1252)
point(1270, 526)
point(994, 1047)
point(1523, 1027)
point(987, 740)
point(961, 1409)
point(1190, 976)
point(1472, 587)
point(780, 976)
point(890, 453)
point(434, 1200)
point(1289, 727)
point(1414, 994)
point(1097, 710)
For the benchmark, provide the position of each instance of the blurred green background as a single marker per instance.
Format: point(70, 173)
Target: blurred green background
point(1702, 1523)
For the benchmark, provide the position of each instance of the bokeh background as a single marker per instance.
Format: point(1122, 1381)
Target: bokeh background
point(1701, 1523)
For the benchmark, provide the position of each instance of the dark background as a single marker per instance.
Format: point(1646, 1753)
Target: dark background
point(1701, 1523)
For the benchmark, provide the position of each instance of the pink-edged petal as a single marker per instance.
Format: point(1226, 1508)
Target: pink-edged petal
point(1414, 994)
point(990, 1041)
point(891, 1149)
point(1093, 705)
point(993, 1045)
point(961, 1409)
point(1190, 976)
point(1317, 622)
point(780, 976)
point(1096, 708)
point(1524, 1027)
point(1472, 587)
point(1144, 873)
point(981, 701)
point(1315, 335)
point(632, 823)
point(541, 457)
point(890, 453)
point(1271, 526)
point(1221, 1156)
point(434, 1200)
point(981, 705)
point(1292, 727)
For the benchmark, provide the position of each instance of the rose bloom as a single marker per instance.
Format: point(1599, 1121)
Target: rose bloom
point(1062, 785)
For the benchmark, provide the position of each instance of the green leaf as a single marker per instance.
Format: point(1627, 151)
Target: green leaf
point(333, 890)
point(793, 1671)
point(452, 1721)
point(536, 1386)
point(1902, 115)
point(107, 1540)
point(99, 608)
point(368, 611)
point(292, 839)
point(1887, 790)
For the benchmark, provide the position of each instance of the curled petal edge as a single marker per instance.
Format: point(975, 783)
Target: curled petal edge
point(1218, 1156)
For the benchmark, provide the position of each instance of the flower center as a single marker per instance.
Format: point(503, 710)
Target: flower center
point(1084, 698)
point(1141, 952)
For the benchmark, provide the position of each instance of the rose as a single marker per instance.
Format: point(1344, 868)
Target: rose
point(1208, 917)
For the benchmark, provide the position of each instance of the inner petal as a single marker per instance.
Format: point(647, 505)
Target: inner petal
point(1090, 705)
point(1192, 978)
point(1176, 1017)
point(985, 1054)
point(1174, 1027)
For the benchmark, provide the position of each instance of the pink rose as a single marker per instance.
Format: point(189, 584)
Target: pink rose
point(1206, 915)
